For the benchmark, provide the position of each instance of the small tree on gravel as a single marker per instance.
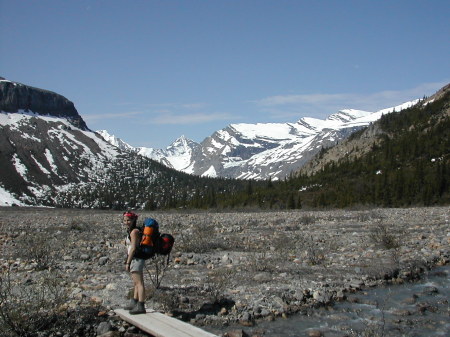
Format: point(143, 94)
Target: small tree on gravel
point(380, 235)
point(38, 249)
point(160, 264)
point(29, 306)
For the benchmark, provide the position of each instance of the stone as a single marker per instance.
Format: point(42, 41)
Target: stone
point(315, 333)
point(110, 334)
point(430, 290)
point(236, 333)
point(401, 312)
point(246, 319)
point(111, 286)
point(223, 312)
point(321, 296)
point(103, 260)
point(84, 257)
point(340, 295)
point(132, 334)
point(103, 327)
point(261, 277)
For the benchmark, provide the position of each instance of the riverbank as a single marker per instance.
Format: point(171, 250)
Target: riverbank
point(238, 267)
point(413, 309)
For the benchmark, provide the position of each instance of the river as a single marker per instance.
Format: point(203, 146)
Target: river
point(411, 309)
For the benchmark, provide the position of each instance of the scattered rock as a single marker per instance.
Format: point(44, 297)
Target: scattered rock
point(236, 333)
point(103, 328)
point(315, 333)
point(256, 280)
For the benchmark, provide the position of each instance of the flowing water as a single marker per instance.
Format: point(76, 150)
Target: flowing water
point(412, 309)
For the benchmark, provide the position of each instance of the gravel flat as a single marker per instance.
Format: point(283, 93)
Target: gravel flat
point(230, 267)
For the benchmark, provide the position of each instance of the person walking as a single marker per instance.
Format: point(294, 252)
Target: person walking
point(134, 265)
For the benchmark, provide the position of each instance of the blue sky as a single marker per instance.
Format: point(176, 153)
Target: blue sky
point(151, 71)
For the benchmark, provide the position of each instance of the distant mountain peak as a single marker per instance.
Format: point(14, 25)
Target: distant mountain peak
point(115, 141)
point(347, 115)
point(181, 141)
point(263, 150)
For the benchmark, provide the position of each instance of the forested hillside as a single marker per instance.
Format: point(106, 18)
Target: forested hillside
point(401, 159)
point(407, 164)
point(410, 166)
point(135, 181)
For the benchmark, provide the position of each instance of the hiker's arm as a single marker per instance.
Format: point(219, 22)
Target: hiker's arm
point(134, 235)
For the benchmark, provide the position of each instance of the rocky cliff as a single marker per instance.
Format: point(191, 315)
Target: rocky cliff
point(15, 97)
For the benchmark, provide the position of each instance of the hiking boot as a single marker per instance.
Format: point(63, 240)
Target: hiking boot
point(132, 304)
point(138, 309)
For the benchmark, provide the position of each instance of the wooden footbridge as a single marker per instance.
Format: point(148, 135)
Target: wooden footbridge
point(160, 325)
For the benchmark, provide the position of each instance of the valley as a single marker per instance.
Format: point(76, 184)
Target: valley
point(229, 268)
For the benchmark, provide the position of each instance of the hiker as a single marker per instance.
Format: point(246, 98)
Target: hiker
point(134, 265)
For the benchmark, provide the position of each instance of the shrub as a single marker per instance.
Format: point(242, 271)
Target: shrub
point(259, 262)
point(307, 219)
point(38, 249)
point(168, 300)
point(219, 280)
point(202, 239)
point(315, 254)
point(159, 264)
point(380, 235)
point(30, 306)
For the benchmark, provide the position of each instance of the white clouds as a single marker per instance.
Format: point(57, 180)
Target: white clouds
point(323, 104)
point(96, 117)
point(277, 107)
point(192, 118)
point(185, 114)
point(166, 114)
point(302, 99)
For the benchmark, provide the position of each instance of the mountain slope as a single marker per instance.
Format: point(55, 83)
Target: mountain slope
point(363, 142)
point(403, 159)
point(263, 150)
point(50, 157)
point(46, 150)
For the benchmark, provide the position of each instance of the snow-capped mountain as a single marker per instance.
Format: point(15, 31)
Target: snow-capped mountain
point(48, 156)
point(115, 141)
point(177, 156)
point(263, 150)
point(45, 146)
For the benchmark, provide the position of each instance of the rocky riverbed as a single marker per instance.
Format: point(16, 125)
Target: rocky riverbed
point(226, 268)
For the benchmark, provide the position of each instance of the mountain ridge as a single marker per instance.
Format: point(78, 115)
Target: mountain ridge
point(50, 158)
point(359, 145)
point(263, 151)
point(47, 160)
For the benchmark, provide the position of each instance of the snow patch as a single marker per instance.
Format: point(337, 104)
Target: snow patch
point(7, 199)
point(50, 160)
point(42, 168)
point(211, 172)
point(20, 167)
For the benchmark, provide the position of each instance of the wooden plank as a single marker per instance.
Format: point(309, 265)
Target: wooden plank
point(160, 325)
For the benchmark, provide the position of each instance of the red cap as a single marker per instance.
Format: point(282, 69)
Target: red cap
point(131, 215)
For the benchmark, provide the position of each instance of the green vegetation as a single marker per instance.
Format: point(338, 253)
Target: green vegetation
point(408, 165)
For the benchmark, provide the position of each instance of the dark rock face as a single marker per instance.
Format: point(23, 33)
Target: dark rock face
point(16, 96)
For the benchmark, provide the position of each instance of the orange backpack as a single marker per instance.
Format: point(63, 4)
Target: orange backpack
point(149, 239)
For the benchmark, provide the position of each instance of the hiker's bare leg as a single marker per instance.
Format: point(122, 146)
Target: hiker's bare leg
point(139, 290)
